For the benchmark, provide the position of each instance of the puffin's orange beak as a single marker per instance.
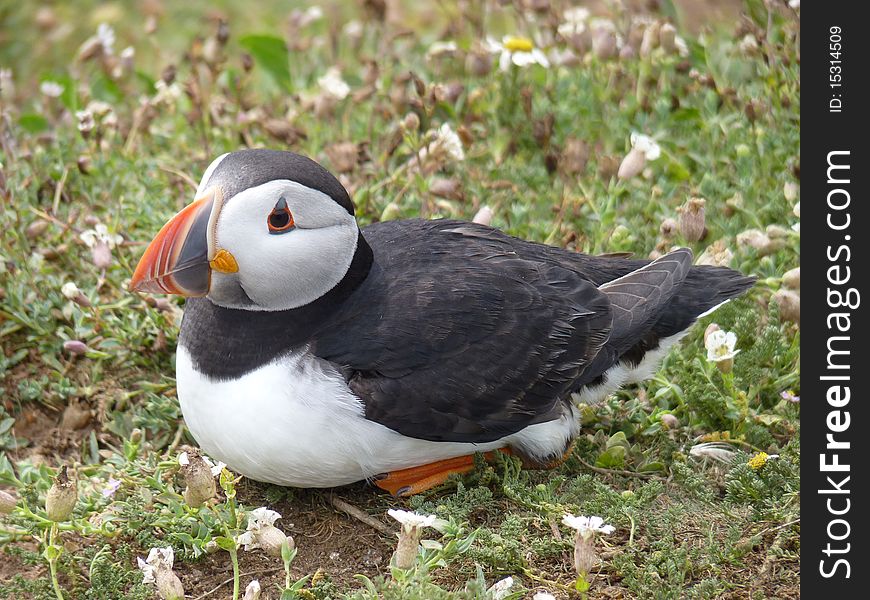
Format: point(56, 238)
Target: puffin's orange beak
point(177, 261)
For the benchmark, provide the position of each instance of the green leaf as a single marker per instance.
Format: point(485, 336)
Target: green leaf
point(6, 424)
point(612, 458)
point(618, 439)
point(651, 467)
point(106, 90)
point(225, 543)
point(33, 123)
point(271, 53)
point(581, 585)
point(52, 552)
point(287, 553)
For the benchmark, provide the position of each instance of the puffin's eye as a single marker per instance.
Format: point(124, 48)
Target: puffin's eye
point(280, 220)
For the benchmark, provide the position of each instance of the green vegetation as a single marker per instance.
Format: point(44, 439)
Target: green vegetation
point(99, 146)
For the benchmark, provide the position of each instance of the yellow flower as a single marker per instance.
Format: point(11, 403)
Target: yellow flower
point(759, 460)
point(518, 44)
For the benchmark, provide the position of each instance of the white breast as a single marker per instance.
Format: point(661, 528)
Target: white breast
point(295, 422)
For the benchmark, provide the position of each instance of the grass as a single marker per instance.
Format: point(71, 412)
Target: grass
point(87, 382)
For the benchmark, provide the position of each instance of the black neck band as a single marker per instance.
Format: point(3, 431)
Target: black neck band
point(225, 343)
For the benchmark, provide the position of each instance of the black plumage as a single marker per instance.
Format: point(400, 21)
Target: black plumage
point(451, 331)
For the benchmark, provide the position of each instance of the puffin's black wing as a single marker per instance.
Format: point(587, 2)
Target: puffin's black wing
point(459, 334)
point(454, 337)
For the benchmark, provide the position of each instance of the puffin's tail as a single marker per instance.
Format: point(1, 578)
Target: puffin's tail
point(642, 334)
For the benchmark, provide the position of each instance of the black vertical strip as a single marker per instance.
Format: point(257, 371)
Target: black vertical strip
point(834, 249)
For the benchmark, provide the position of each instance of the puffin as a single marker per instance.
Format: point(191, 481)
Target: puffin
point(315, 353)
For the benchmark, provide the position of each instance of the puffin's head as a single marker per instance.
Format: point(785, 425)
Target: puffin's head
point(268, 230)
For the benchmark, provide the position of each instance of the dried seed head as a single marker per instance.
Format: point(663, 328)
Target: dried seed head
point(252, 591)
point(668, 228)
point(650, 39)
point(36, 229)
point(101, 255)
point(754, 109)
point(608, 166)
point(61, 497)
point(669, 421)
point(759, 240)
point(776, 232)
point(343, 156)
point(574, 156)
point(792, 279)
point(8, 502)
point(271, 539)
point(84, 164)
point(247, 62)
point(483, 216)
point(632, 164)
point(199, 479)
point(716, 254)
point(449, 188)
point(168, 584)
point(585, 556)
point(668, 38)
point(406, 550)
point(604, 43)
point(789, 305)
point(411, 122)
point(478, 64)
point(692, 222)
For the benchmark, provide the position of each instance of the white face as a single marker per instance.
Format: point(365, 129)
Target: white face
point(283, 269)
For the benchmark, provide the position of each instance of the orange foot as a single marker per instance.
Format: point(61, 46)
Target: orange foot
point(414, 480)
point(407, 482)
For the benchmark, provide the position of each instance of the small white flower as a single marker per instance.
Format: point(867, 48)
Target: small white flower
point(7, 83)
point(718, 451)
point(111, 487)
point(576, 14)
point(128, 53)
point(86, 121)
point(643, 148)
point(575, 21)
point(543, 596)
point(748, 44)
point(214, 467)
point(70, 290)
point(158, 558)
point(795, 4)
point(333, 85)
point(52, 89)
point(720, 345)
point(167, 94)
point(444, 145)
point(100, 235)
point(587, 526)
point(311, 14)
point(440, 48)
point(100, 108)
point(260, 521)
point(500, 589)
point(252, 591)
point(352, 29)
point(410, 519)
point(517, 51)
point(790, 190)
point(645, 144)
point(106, 37)
point(450, 141)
